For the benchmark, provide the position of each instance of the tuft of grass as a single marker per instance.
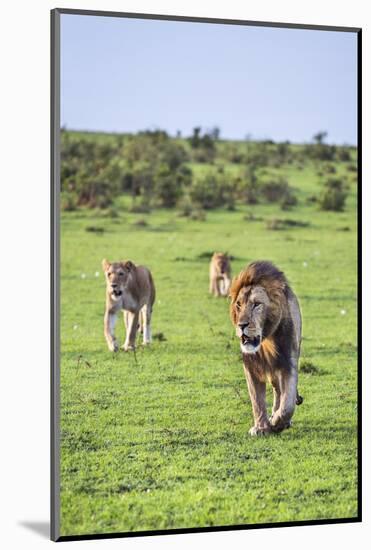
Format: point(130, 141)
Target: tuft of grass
point(251, 217)
point(140, 223)
point(197, 215)
point(307, 367)
point(94, 229)
point(140, 208)
point(160, 336)
point(112, 213)
point(276, 224)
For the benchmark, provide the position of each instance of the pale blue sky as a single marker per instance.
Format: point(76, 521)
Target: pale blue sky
point(125, 75)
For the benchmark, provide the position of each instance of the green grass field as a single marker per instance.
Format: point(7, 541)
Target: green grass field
point(159, 439)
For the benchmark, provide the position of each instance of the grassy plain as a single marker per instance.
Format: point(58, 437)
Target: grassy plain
point(159, 439)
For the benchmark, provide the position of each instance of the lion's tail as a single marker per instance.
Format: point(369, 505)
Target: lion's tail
point(299, 398)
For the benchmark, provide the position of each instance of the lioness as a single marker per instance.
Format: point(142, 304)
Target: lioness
point(220, 274)
point(129, 288)
point(266, 314)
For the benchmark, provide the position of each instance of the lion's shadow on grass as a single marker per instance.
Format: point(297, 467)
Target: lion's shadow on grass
point(303, 430)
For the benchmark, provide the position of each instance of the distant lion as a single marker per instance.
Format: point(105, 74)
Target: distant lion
point(129, 288)
point(266, 314)
point(220, 274)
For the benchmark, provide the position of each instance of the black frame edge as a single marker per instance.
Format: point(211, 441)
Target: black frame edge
point(359, 266)
point(196, 19)
point(214, 529)
point(54, 264)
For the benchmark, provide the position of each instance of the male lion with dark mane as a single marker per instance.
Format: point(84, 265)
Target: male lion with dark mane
point(266, 314)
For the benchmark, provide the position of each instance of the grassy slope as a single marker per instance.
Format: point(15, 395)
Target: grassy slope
point(161, 441)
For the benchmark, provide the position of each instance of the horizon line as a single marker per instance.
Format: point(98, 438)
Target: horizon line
point(64, 128)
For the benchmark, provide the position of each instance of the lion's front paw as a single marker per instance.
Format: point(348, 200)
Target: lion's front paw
point(279, 424)
point(113, 346)
point(128, 347)
point(258, 431)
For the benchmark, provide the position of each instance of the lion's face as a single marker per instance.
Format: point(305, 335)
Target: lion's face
point(250, 314)
point(117, 275)
point(221, 262)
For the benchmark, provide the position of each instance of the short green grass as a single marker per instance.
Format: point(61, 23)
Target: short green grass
point(159, 439)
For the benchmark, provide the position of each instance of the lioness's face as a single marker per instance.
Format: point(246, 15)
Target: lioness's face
point(221, 262)
point(117, 274)
point(251, 309)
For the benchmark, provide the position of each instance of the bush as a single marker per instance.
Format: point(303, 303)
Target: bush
point(289, 200)
point(168, 188)
point(343, 154)
point(142, 207)
point(283, 151)
point(311, 199)
point(333, 196)
point(184, 175)
point(90, 173)
point(275, 190)
point(258, 155)
point(188, 210)
point(172, 154)
point(320, 151)
point(329, 168)
point(185, 206)
point(228, 193)
point(68, 201)
point(93, 192)
point(207, 191)
point(198, 215)
point(141, 176)
point(249, 185)
point(213, 190)
point(279, 191)
point(233, 153)
point(96, 171)
point(195, 139)
point(203, 146)
point(203, 156)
